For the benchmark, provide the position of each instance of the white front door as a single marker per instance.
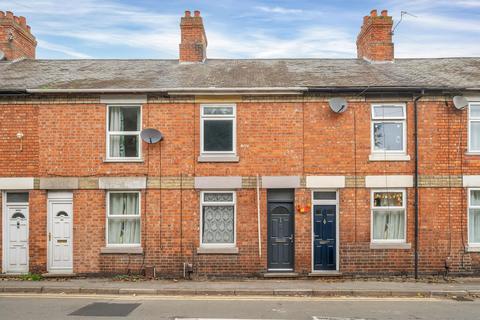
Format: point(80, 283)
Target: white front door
point(17, 239)
point(60, 236)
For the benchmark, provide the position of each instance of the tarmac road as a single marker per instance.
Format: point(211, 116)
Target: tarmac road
point(72, 307)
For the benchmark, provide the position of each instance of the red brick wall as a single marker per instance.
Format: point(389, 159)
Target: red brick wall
point(273, 138)
point(19, 157)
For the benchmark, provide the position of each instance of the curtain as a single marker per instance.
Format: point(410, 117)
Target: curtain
point(218, 224)
point(124, 231)
point(388, 224)
point(117, 123)
point(474, 226)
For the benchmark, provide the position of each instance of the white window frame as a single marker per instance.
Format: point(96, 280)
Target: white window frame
point(234, 203)
point(128, 133)
point(469, 206)
point(375, 120)
point(373, 208)
point(470, 120)
point(232, 117)
point(128, 216)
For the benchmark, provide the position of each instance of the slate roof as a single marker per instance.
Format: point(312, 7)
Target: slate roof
point(242, 73)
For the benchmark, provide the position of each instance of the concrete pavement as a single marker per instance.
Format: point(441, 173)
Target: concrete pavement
point(56, 307)
point(459, 287)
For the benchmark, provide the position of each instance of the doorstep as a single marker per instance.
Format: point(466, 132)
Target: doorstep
point(280, 275)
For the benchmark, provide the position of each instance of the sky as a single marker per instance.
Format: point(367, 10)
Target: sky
point(149, 29)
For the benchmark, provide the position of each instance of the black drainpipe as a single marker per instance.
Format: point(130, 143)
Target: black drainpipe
point(415, 121)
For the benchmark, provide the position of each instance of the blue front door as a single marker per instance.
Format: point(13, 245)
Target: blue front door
point(324, 238)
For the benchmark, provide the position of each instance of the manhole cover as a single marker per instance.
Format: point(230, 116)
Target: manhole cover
point(102, 309)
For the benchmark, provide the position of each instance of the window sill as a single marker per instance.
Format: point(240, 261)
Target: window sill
point(121, 250)
point(390, 245)
point(388, 157)
point(472, 153)
point(218, 158)
point(124, 160)
point(211, 250)
point(472, 248)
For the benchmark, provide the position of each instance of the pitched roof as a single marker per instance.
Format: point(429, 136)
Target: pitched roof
point(244, 73)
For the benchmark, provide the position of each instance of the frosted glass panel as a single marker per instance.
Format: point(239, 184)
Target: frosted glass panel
point(218, 197)
point(218, 224)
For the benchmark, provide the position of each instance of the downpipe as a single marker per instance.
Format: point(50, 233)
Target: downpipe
point(415, 121)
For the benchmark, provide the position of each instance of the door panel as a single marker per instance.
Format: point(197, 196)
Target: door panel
point(17, 239)
point(324, 237)
point(60, 237)
point(280, 236)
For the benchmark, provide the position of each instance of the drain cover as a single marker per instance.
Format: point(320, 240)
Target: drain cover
point(102, 309)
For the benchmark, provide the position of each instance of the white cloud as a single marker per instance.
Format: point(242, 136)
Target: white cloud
point(280, 10)
point(62, 49)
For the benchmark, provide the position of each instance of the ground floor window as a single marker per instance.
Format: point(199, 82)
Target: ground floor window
point(123, 218)
point(218, 218)
point(474, 217)
point(388, 216)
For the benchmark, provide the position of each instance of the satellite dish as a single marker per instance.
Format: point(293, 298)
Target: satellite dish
point(2, 55)
point(338, 105)
point(151, 135)
point(460, 102)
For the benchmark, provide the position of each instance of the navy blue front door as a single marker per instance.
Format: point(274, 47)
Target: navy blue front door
point(324, 237)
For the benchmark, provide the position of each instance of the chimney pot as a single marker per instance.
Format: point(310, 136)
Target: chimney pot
point(197, 13)
point(373, 13)
point(2, 14)
point(9, 14)
point(188, 13)
point(23, 21)
point(384, 13)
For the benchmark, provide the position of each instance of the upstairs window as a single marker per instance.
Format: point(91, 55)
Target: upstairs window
point(123, 133)
point(218, 130)
point(388, 216)
point(474, 127)
point(388, 129)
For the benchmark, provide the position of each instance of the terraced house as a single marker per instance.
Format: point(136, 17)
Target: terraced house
point(283, 167)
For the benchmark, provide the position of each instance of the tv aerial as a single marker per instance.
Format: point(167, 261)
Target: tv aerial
point(402, 13)
point(151, 135)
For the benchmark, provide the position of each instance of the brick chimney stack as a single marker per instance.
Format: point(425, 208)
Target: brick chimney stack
point(16, 39)
point(374, 42)
point(193, 46)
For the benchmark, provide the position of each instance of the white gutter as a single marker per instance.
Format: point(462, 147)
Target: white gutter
point(183, 91)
